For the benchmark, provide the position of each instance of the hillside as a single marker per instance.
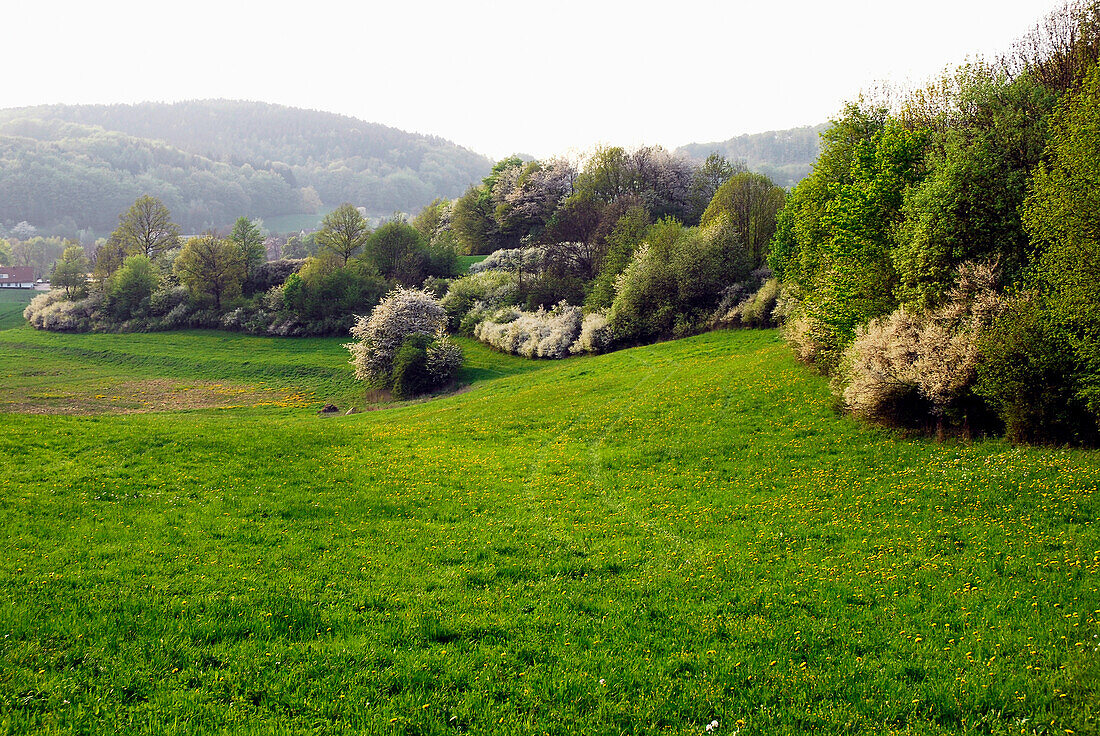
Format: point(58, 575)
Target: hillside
point(641, 542)
point(77, 166)
point(784, 156)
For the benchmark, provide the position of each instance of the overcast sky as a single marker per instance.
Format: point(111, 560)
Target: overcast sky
point(540, 78)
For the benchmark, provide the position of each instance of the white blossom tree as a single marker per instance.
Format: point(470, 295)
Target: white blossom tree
point(404, 313)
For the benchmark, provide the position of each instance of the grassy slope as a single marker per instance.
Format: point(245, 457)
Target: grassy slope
point(640, 542)
point(464, 262)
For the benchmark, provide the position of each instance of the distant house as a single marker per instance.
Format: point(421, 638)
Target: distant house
point(16, 277)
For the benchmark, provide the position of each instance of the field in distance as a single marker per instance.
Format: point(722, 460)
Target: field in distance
point(642, 542)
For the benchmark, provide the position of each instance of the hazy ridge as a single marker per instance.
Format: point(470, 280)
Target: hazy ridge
point(65, 167)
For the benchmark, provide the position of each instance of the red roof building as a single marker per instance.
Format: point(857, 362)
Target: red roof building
point(16, 277)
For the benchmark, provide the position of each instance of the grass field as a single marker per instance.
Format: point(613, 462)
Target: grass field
point(12, 303)
point(464, 262)
point(642, 542)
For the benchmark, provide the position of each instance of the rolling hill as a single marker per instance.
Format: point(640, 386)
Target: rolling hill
point(784, 156)
point(67, 167)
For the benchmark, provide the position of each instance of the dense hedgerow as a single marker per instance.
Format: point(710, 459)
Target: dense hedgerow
point(994, 163)
point(671, 288)
point(547, 333)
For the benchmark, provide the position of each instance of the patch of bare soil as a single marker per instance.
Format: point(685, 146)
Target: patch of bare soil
point(134, 397)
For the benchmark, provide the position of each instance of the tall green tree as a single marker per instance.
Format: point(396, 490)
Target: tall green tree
point(398, 251)
point(71, 272)
point(248, 237)
point(343, 232)
point(986, 143)
point(751, 201)
point(147, 229)
point(212, 269)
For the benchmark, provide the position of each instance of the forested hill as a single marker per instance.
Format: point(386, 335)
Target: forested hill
point(784, 156)
point(210, 161)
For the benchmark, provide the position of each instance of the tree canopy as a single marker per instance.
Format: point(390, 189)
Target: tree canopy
point(343, 232)
point(147, 229)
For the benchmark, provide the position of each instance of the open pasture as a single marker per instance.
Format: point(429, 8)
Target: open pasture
point(642, 542)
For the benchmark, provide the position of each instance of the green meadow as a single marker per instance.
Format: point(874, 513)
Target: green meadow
point(12, 303)
point(636, 543)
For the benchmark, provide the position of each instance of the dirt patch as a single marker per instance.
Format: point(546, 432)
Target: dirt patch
point(133, 397)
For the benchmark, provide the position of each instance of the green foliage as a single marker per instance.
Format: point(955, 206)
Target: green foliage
point(325, 296)
point(128, 290)
point(1046, 377)
point(675, 281)
point(628, 233)
point(473, 221)
point(344, 231)
point(433, 219)
point(834, 243)
point(400, 253)
point(6, 254)
point(968, 207)
point(295, 248)
point(108, 258)
point(1033, 377)
point(248, 237)
point(411, 376)
point(71, 273)
point(474, 295)
point(146, 229)
point(751, 202)
point(212, 269)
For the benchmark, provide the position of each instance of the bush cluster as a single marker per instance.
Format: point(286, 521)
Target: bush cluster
point(403, 346)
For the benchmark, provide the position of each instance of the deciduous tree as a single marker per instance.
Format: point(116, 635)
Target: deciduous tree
point(248, 237)
point(211, 268)
point(343, 232)
point(71, 272)
point(147, 229)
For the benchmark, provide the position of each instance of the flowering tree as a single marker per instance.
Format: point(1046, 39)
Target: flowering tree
point(404, 334)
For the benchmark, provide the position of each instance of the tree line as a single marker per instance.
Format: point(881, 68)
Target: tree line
point(145, 276)
point(940, 261)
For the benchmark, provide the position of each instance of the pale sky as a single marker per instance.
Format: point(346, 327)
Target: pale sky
point(540, 78)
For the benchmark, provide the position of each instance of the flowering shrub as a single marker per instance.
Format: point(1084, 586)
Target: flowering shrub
point(597, 334)
point(906, 364)
point(748, 303)
point(527, 260)
point(52, 311)
point(481, 293)
point(555, 333)
point(398, 317)
point(541, 334)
